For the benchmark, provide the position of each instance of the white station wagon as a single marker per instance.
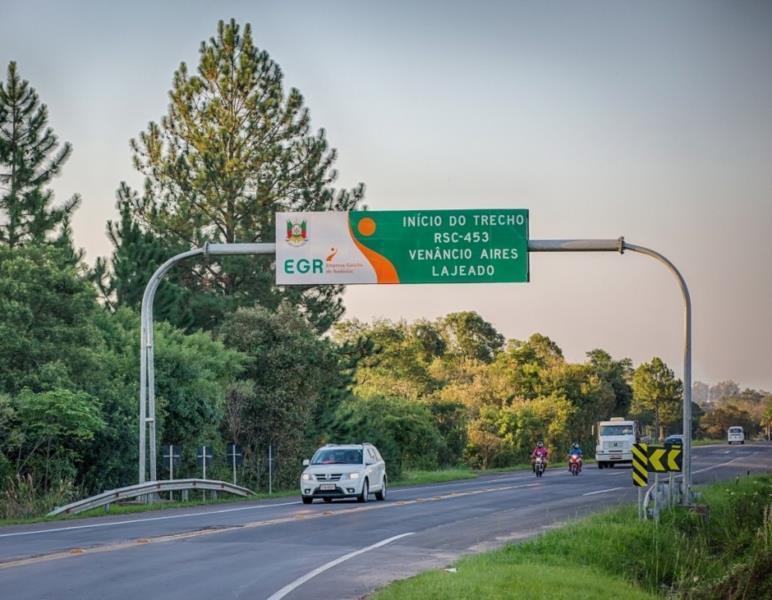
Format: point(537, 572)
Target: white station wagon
point(344, 471)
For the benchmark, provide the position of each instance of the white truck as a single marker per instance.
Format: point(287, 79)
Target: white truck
point(615, 442)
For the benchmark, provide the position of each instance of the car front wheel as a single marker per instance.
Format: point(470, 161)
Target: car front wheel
point(307, 499)
point(381, 494)
point(365, 492)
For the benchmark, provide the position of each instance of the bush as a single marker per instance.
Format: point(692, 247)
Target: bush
point(21, 498)
point(403, 431)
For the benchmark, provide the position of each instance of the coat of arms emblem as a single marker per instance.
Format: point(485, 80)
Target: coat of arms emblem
point(297, 233)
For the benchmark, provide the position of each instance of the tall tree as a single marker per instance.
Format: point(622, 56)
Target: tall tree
point(295, 382)
point(47, 331)
point(657, 392)
point(233, 149)
point(137, 254)
point(30, 157)
point(616, 373)
point(723, 389)
point(700, 392)
point(468, 336)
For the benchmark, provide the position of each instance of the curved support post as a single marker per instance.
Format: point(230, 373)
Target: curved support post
point(687, 355)
point(620, 245)
point(146, 364)
point(146, 353)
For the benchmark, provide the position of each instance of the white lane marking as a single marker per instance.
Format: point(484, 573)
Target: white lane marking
point(603, 491)
point(463, 482)
point(145, 520)
point(310, 575)
point(722, 464)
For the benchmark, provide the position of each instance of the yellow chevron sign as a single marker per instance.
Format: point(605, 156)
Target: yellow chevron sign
point(640, 465)
point(674, 459)
point(655, 460)
point(662, 460)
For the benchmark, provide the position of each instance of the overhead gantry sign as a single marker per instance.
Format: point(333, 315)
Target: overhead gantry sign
point(390, 247)
point(397, 247)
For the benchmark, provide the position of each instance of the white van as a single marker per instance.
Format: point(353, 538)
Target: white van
point(735, 435)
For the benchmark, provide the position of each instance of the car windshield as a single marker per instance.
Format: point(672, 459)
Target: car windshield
point(337, 456)
point(735, 430)
point(616, 430)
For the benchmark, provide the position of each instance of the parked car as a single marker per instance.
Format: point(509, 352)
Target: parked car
point(344, 471)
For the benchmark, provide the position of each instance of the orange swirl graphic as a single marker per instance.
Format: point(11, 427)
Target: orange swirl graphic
point(384, 270)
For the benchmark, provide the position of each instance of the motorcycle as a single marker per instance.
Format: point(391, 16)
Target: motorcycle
point(539, 466)
point(574, 464)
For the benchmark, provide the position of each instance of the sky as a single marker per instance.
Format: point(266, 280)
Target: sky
point(650, 120)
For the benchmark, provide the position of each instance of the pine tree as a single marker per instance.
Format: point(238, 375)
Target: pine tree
point(137, 254)
point(233, 149)
point(30, 158)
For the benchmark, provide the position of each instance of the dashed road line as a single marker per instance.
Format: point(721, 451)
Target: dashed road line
point(603, 491)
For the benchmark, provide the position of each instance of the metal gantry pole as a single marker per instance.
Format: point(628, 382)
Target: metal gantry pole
point(146, 354)
point(619, 245)
point(687, 354)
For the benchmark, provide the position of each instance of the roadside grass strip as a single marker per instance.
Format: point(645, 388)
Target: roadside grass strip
point(722, 550)
point(490, 577)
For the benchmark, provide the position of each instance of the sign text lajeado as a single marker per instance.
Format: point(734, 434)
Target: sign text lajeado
point(435, 246)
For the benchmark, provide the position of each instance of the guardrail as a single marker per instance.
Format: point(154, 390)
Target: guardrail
point(663, 494)
point(146, 489)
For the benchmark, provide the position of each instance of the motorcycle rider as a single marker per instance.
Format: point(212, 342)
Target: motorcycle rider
point(541, 451)
point(576, 449)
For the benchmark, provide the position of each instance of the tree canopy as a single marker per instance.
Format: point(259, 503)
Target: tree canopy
point(30, 157)
point(233, 149)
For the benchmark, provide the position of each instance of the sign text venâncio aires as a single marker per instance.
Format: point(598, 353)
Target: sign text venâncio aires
point(436, 246)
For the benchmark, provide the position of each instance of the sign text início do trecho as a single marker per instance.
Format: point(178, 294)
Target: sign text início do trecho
point(434, 246)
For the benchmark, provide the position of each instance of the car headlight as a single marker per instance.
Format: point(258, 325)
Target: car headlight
point(353, 475)
point(307, 477)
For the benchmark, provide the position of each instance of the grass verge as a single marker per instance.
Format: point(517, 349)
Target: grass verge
point(708, 442)
point(441, 476)
point(613, 555)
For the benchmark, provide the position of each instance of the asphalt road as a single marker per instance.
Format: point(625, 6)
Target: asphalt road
point(283, 549)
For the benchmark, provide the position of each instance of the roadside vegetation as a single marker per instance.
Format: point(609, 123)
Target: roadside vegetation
point(238, 359)
point(408, 478)
point(727, 554)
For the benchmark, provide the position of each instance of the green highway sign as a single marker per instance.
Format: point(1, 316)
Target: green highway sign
point(434, 246)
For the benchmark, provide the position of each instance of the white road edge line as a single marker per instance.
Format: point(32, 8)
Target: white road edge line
point(603, 491)
point(146, 520)
point(721, 464)
point(310, 575)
